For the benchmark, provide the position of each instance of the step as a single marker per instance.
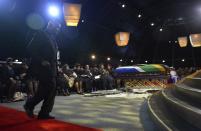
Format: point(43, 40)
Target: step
point(192, 82)
point(190, 113)
point(188, 92)
point(164, 118)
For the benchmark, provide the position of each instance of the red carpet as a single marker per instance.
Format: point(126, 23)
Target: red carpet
point(13, 120)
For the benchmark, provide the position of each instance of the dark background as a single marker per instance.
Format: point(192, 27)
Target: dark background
point(104, 18)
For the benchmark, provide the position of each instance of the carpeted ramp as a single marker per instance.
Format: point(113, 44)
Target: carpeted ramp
point(13, 120)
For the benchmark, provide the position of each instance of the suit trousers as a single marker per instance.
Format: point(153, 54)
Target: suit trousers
point(46, 92)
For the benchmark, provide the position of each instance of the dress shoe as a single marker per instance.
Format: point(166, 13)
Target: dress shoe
point(28, 111)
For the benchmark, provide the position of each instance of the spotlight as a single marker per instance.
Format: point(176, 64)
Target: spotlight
point(108, 59)
point(139, 16)
point(121, 60)
point(82, 21)
point(161, 29)
point(123, 5)
point(169, 41)
point(132, 61)
point(163, 61)
point(146, 61)
point(175, 41)
point(53, 11)
point(152, 24)
point(93, 57)
point(183, 60)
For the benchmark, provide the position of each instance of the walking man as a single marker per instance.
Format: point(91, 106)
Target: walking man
point(43, 66)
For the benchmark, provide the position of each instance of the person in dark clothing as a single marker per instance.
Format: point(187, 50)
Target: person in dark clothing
point(106, 77)
point(69, 75)
point(78, 80)
point(87, 79)
point(9, 79)
point(96, 83)
point(43, 66)
point(62, 83)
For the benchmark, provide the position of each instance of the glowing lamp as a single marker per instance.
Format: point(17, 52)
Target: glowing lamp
point(122, 38)
point(53, 11)
point(72, 14)
point(195, 40)
point(183, 41)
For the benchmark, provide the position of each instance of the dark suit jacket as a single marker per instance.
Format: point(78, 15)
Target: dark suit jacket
point(42, 48)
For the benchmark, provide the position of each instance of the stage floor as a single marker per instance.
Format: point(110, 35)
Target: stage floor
point(107, 113)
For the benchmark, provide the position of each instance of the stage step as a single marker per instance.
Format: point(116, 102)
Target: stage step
point(166, 119)
point(192, 82)
point(188, 110)
point(189, 93)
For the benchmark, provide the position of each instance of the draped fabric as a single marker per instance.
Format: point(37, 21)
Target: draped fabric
point(145, 68)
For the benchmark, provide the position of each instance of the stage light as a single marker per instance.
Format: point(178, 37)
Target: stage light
point(152, 24)
point(146, 61)
point(123, 5)
point(16, 60)
point(72, 13)
point(175, 41)
point(161, 29)
point(132, 61)
point(183, 60)
point(122, 38)
point(139, 16)
point(82, 21)
point(93, 57)
point(169, 41)
point(195, 40)
point(163, 61)
point(108, 59)
point(53, 11)
point(183, 41)
point(121, 60)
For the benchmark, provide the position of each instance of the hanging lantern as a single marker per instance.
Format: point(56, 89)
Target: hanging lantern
point(195, 40)
point(183, 41)
point(72, 14)
point(122, 38)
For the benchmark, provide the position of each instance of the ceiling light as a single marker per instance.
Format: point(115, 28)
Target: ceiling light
point(121, 60)
point(53, 10)
point(139, 16)
point(152, 24)
point(108, 59)
point(93, 57)
point(161, 29)
point(123, 5)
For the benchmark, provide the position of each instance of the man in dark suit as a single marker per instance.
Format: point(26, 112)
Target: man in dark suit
point(43, 66)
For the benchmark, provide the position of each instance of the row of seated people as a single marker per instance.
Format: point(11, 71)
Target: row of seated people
point(87, 79)
point(15, 78)
point(12, 79)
